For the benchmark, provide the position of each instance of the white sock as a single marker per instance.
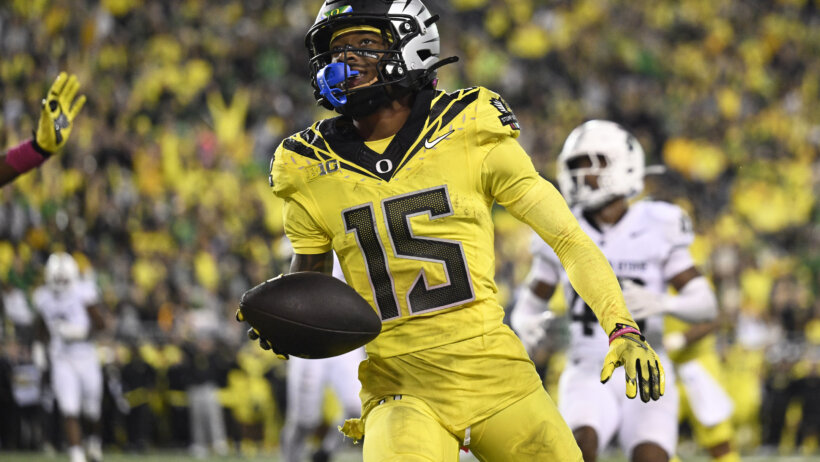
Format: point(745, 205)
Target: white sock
point(76, 454)
point(94, 446)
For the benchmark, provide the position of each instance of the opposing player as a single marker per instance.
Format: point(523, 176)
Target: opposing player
point(401, 187)
point(69, 309)
point(306, 383)
point(59, 109)
point(600, 167)
point(704, 402)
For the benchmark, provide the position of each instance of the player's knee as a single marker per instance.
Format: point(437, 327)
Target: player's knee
point(649, 452)
point(587, 439)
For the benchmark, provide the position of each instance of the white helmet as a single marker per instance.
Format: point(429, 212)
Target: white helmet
point(617, 160)
point(61, 271)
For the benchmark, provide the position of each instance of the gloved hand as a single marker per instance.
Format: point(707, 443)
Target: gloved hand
point(640, 302)
point(59, 109)
point(264, 343)
point(628, 348)
point(532, 330)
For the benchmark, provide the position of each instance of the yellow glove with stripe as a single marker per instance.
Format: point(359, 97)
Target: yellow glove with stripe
point(643, 369)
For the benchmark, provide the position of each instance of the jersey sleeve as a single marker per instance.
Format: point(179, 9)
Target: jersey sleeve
point(306, 236)
point(287, 182)
point(678, 234)
point(494, 118)
point(88, 292)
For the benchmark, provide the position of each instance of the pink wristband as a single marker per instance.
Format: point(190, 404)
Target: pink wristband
point(622, 331)
point(24, 157)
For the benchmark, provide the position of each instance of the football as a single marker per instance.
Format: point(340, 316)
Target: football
point(310, 315)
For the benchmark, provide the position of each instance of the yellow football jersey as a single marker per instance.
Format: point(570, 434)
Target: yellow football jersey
point(413, 232)
point(412, 225)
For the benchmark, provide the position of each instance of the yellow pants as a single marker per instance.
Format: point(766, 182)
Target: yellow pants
point(404, 428)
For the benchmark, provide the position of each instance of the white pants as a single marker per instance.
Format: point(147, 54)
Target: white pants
point(584, 401)
point(307, 379)
point(78, 384)
point(709, 402)
point(206, 421)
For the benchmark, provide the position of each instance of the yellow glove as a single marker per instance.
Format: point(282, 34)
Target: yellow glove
point(628, 348)
point(58, 112)
point(264, 343)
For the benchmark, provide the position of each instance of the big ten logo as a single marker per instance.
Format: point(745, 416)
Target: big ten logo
point(322, 168)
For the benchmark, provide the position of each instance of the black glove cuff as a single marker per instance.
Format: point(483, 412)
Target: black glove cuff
point(39, 148)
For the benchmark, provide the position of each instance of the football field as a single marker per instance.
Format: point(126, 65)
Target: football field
point(351, 456)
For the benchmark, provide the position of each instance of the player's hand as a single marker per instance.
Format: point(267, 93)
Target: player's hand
point(59, 108)
point(533, 329)
point(640, 302)
point(643, 369)
point(264, 343)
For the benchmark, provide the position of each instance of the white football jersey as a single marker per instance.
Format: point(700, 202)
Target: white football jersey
point(649, 245)
point(69, 306)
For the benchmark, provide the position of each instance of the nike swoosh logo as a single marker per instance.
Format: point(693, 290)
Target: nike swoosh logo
point(430, 144)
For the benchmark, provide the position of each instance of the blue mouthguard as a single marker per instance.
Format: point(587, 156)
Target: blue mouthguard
point(330, 76)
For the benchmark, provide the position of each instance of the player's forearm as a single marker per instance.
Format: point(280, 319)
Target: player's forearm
point(320, 262)
point(20, 159)
point(695, 302)
point(699, 331)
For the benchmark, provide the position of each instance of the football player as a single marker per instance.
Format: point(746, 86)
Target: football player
point(704, 402)
point(401, 187)
point(306, 383)
point(59, 109)
point(68, 307)
point(600, 167)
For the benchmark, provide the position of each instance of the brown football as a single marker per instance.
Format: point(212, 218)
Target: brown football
point(310, 315)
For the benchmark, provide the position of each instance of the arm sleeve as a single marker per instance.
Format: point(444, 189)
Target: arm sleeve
point(305, 235)
point(509, 176)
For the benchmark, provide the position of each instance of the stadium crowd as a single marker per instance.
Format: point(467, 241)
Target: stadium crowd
point(162, 195)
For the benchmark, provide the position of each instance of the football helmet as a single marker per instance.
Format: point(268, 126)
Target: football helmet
point(615, 158)
point(61, 271)
point(408, 62)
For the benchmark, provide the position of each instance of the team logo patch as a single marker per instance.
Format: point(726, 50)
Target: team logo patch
point(339, 10)
point(507, 117)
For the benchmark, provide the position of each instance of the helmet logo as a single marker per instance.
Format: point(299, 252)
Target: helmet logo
point(339, 10)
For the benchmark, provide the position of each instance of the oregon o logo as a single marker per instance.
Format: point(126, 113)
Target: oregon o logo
point(384, 166)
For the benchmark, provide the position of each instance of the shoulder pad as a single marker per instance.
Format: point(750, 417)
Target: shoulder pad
point(674, 222)
point(494, 118)
point(285, 176)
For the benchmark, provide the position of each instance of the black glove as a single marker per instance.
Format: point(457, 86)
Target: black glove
point(264, 343)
